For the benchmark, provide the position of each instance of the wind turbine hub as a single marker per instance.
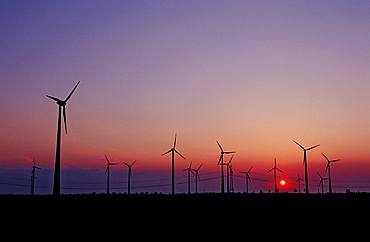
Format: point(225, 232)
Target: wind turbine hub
point(61, 103)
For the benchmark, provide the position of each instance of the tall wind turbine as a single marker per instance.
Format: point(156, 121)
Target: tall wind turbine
point(305, 162)
point(189, 171)
point(173, 150)
point(299, 183)
point(275, 169)
point(62, 105)
point(129, 175)
point(33, 177)
point(197, 177)
point(107, 171)
point(247, 179)
point(328, 169)
point(221, 162)
point(322, 179)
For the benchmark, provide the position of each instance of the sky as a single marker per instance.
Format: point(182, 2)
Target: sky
point(254, 75)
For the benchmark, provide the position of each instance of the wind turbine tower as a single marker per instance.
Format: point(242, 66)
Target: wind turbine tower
point(173, 150)
point(107, 171)
point(129, 175)
point(33, 177)
point(328, 169)
point(221, 162)
point(62, 106)
point(305, 162)
point(275, 169)
point(247, 179)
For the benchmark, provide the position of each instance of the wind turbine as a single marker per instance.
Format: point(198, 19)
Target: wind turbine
point(197, 177)
point(275, 169)
point(62, 105)
point(247, 178)
point(107, 171)
point(221, 162)
point(305, 162)
point(328, 169)
point(322, 182)
point(299, 183)
point(129, 175)
point(189, 171)
point(33, 177)
point(229, 175)
point(173, 150)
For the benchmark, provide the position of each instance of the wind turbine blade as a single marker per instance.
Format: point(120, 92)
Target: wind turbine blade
point(166, 152)
point(54, 98)
point(106, 159)
point(219, 160)
point(335, 160)
point(271, 169)
point(279, 170)
point(220, 146)
point(174, 142)
point(319, 175)
point(298, 144)
point(327, 167)
point(199, 167)
point(180, 154)
point(231, 159)
point(250, 169)
point(69, 96)
point(65, 118)
point(325, 157)
point(313, 147)
point(126, 164)
point(113, 164)
point(38, 167)
point(229, 152)
point(133, 163)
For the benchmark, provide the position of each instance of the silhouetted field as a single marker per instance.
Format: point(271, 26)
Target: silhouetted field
point(208, 212)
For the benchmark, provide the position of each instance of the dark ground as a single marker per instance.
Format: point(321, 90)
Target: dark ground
point(211, 214)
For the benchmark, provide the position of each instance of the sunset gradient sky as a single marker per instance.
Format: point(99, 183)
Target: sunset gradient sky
point(255, 75)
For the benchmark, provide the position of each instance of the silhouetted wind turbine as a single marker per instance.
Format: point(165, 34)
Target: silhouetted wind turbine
point(299, 183)
point(129, 175)
point(197, 177)
point(189, 171)
point(62, 105)
point(229, 175)
point(321, 182)
point(33, 177)
point(107, 171)
point(247, 178)
point(221, 162)
point(173, 150)
point(275, 169)
point(328, 170)
point(305, 162)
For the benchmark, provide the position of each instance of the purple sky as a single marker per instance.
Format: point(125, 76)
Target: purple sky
point(252, 74)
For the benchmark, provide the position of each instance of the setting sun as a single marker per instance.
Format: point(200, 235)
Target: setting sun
point(282, 182)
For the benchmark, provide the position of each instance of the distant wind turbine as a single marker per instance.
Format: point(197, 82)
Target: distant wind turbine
point(189, 171)
point(221, 162)
point(328, 170)
point(129, 175)
point(305, 162)
point(299, 183)
point(107, 171)
point(275, 169)
point(197, 177)
point(62, 105)
point(229, 176)
point(173, 150)
point(33, 177)
point(247, 179)
point(322, 182)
